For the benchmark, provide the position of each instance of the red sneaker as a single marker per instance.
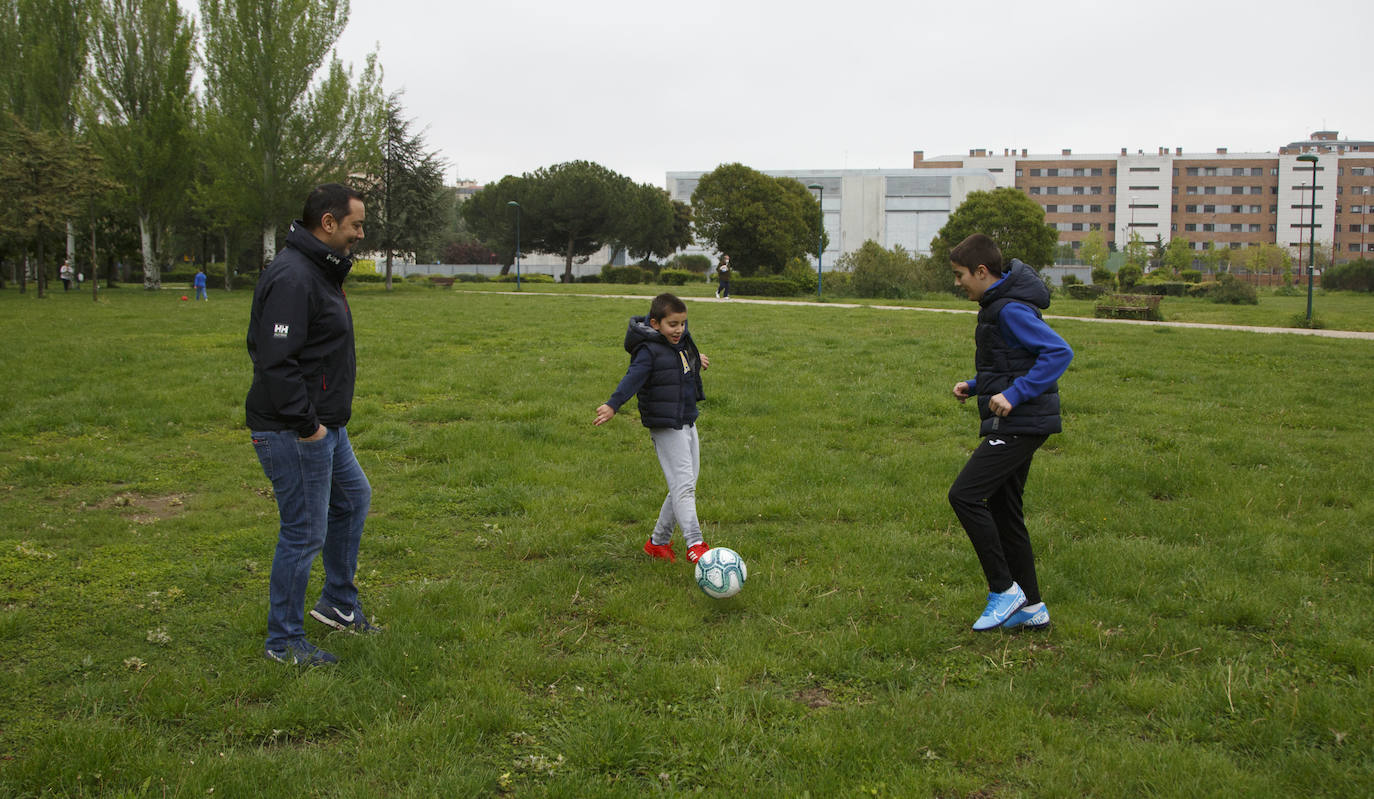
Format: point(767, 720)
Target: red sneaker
point(664, 551)
point(695, 551)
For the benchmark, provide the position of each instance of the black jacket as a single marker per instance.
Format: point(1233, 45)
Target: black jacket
point(666, 379)
point(300, 337)
point(999, 363)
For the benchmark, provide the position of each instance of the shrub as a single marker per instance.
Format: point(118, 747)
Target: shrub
point(531, 277)
point(366, 277)
point(764, 287)
point(1234, 291)
point(415, 278)
point(588, 278)
point(1300, 320)
point(678, 277)
point(1191, 276)
point(837, 284)
point(891, 274)
point(1351, 276)
point(1069, 280)
point(800, 272)
point(471, 278)
point(1128, 276)
point(1082, 292)
point(622, 274)
point(699, 264)
point(1203, 289)
point(1164, 289)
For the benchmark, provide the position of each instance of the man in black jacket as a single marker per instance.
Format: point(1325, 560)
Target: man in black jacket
point(300, 338)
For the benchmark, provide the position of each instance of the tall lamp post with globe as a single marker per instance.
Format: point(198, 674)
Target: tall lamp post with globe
point(1311, 235)
point(820, 239)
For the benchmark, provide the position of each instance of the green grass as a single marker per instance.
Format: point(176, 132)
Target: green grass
point(1202, 528)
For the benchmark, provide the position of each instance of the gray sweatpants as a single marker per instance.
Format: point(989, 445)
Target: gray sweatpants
point(679, 453)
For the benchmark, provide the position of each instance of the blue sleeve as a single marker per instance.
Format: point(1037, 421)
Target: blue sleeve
point(641, 364)
point(1020, 327)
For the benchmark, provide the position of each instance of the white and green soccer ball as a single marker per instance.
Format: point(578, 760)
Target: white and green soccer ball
point(721, 573)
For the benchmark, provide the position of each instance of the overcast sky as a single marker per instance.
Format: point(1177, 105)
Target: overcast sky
point(644, 87)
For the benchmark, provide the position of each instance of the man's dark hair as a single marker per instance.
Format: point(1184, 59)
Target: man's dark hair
point(334, 199)
point(978, 250)
point(665, 304)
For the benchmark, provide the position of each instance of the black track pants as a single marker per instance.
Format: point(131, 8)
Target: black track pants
point(986, 496)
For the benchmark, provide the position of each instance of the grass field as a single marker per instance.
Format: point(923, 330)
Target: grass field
point(1203, 529)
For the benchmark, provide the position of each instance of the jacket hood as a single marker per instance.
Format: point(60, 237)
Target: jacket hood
point(640, 331)
point(1020, 282)
point(334, 263)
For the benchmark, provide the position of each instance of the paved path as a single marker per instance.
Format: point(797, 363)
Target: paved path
point(1296, 331)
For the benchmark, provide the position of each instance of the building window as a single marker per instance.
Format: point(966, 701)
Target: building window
point(1273, 171)
point(1051, 209)
point(1098, 190)
point(1191, 190)
point(1144, 188)
point(1255, 209)
point(1237, 189)
point(1208, 228)
point(1079, 172)
point(1193, 171)
point(1237, 228)
point(1077, 225)
point(1097, 172)
point(1144, 169)
point(1256, 189)
point(1019, 171)
point(1209, 209)
point(1190, 209)
point(1112, 172)
point(1079, 190)
point(1035, 173)
point(1256, 171)
point(1034, 190)
point(1209, 189)
point(1096, 209)
point(1253, 228)
point(1051, 189)
point(1078, 209)
point(1210, 171)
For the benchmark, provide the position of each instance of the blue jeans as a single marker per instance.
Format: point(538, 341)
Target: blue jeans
point(200, 294)
point(322, 497)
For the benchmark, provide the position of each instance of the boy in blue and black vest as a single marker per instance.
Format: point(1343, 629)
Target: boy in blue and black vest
point(665, 374)
point(1019, 361)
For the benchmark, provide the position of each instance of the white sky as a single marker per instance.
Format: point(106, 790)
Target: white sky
point(644, 87)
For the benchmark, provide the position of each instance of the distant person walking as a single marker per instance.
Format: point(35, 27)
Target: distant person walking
point(65, 272)
point(200, 285)
point(723, 277)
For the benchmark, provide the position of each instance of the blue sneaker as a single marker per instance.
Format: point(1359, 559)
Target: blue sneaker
point(355, 621)
point(301, 653)
point(1000, 607)
point(1027, 619)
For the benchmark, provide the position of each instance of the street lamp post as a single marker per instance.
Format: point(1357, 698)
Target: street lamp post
point(516, 205)
point(1312, 235)
point(820, 239)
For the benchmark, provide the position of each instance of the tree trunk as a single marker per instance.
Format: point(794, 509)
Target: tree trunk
point(24, 273)
point(95, 267)
point(388, 270)
point(152, 279)
point(71, 243)
point(228, 268)
point(38, 270)
point(567, 262)
point(269, 244)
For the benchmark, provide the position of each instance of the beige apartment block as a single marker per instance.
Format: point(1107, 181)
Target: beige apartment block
point(1222, 199)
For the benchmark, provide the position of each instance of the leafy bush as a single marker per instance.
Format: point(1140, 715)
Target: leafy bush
point(1232, 290)
point(1128, 276)
point(471, 278)
point(1203, 289)
point(1163, 289)
point(1351, 276)
point(1300, 320)
point(588, 278)
point(1069, 280)
point(622, 274)
point(366, 277)
point(800, 272)
point(679, 277)
point(837, 284)
point(1089, 292)
point(1191, 276)
point(699, 264)
point(1102, 276)
point(415, 278)
point(891, 274)
point(532, 277)
point(764, 287)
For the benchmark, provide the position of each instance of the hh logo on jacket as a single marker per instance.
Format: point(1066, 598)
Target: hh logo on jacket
point(280, 331)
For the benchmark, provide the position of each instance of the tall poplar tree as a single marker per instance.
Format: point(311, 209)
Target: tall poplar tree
point(283, 130)
point(142, 51)
point(406, 208)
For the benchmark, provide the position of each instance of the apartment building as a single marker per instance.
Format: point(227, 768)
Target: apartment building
point(1230, 200)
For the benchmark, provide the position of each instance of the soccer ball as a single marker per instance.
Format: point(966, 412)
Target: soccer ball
point(721, 573)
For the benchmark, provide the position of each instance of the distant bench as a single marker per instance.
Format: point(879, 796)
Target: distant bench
point(1128, 306)
point(446, 282)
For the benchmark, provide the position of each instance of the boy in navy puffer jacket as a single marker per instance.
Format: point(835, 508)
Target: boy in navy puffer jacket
point(1019, 361)
point(665, 374)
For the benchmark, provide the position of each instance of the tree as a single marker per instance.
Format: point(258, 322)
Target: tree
point(761, 222)
point(893, 274)
point(283, 133)
point(490, 218)
point(573, 209)
point(1178, 255)
point(1010, 218)
point(406, 194)
point(141, 88)
point(1137, 253)
point(1268, 258)
point(1094, 250)
point(46, 178)
point(653, 224)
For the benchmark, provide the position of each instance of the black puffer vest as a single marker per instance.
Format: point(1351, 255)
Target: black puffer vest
point(669, 397)
point(999, 363)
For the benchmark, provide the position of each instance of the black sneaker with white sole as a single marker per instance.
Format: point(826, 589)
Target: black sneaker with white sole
point(354, 621)
point(301, 653)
